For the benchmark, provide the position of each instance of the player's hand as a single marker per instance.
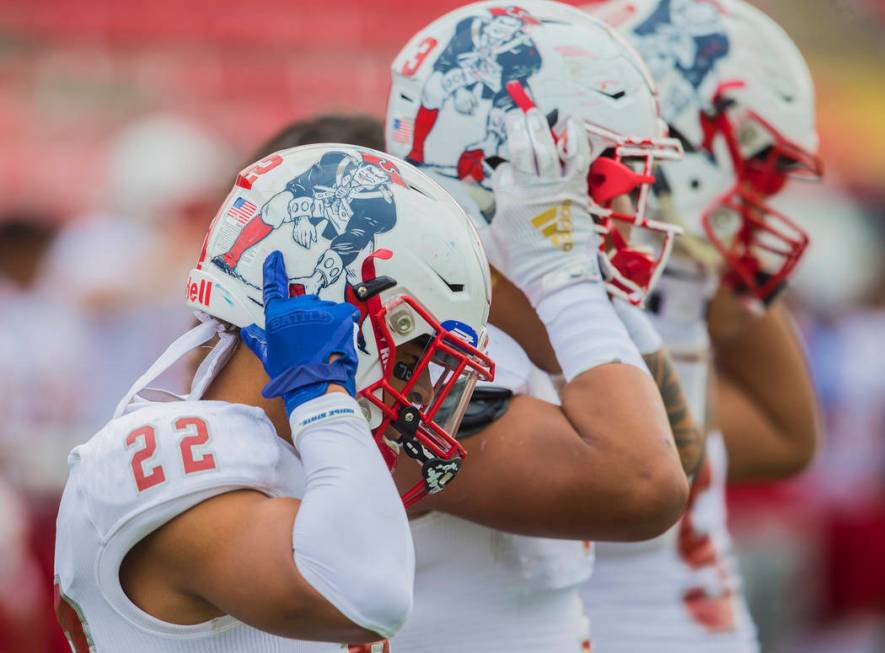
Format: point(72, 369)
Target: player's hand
point(304, 232)
point(465, 101)
point(542, 226)
point(301, 336)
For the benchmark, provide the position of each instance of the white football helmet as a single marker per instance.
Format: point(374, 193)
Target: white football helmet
point(457, 78)
point(737, 91)
point(358, 225)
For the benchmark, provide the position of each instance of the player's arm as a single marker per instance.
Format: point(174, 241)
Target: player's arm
point(603, 465)
point(338, 565)
point(764, 400)
point(587, 469)
point(688, 436)
point(233, 554)
point(513, 313)
point(546, 470)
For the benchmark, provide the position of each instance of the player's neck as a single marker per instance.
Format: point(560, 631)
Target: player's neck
point(240, 382)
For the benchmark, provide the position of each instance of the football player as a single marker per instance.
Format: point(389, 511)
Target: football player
point(736, 91)
point(594, 458)
point(256, 512)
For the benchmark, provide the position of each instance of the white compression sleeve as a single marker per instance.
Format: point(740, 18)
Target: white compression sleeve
point(639, 326)
point(584, 329)
point(351, 538)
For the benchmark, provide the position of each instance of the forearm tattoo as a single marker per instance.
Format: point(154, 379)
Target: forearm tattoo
point(687, 434)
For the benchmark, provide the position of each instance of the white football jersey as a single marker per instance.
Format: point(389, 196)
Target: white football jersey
point(140, 471)
point(480, 590)
point(677, 593)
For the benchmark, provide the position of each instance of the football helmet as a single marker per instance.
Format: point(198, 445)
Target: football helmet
point(456, 80)
point(737, 91)
point(360, 226)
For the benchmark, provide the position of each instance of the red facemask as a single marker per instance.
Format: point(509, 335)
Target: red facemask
point(761, 245)
point(634, 248)
point(424, 422)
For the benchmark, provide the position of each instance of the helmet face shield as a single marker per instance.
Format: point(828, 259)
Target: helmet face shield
point(733, 67)
point(422, 396)
point(452, 388)
point(634, 248)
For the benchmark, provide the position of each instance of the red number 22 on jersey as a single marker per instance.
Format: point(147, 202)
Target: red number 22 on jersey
point(147, 476)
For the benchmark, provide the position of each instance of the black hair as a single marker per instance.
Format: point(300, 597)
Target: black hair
point(24, 240)
point(363, 130)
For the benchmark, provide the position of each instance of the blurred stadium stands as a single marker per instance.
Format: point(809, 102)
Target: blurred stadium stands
point(74, 70)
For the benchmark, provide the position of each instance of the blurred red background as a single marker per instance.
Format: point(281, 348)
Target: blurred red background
point(73, 71)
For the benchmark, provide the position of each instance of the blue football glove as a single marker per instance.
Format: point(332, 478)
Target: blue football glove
point(300, 335)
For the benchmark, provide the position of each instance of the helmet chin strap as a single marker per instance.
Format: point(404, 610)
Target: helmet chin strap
point(212, 364)
point(215, 360)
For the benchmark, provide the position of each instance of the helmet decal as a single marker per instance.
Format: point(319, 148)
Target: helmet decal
point(487, 51)
point(465, 331)
point(336, 207)
point(686, 36)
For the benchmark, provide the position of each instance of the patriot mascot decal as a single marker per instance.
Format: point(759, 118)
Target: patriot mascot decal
point(485, 53)
point(337, 206)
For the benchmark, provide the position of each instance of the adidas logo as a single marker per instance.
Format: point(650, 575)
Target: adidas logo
point(555, 224)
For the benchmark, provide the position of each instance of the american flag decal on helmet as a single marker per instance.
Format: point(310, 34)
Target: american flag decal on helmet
point(242, 210)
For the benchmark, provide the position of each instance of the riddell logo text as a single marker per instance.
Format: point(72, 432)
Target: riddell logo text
point(555, 224)
point(198, 292)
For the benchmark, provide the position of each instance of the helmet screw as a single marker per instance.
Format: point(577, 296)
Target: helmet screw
point(403, 323)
